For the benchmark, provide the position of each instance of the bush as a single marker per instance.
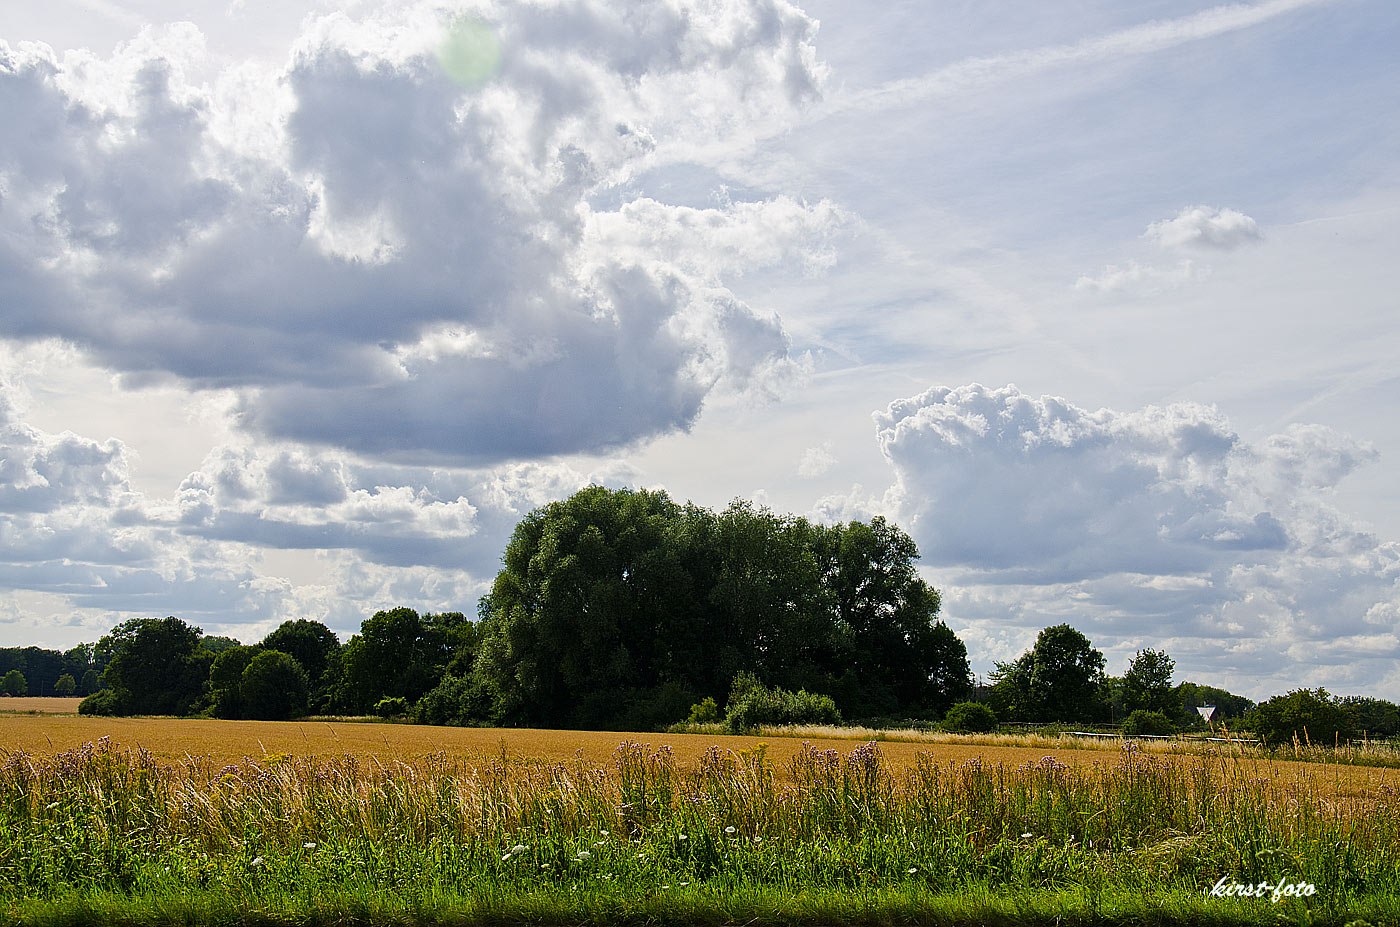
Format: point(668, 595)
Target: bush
point(970, 718)
point(1148, 722)
point(104, 702)
point(703, 712)
point(392, 707)
point(751, 703)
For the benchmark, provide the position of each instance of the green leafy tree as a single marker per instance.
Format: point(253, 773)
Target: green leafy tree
point(157, 666)
point(613, 601)
point(14, 683)
point(399, 654)
point(274, 687)
point(66, 685)
point(899, 657)
point(751, 704)
point(1373, 717)
point(1060, 679)
point(583, 611)
point(226, 681)
point(215, 644)
point(1147, 686)
point(91, 683)
point(310, 642)
point(1309, 715)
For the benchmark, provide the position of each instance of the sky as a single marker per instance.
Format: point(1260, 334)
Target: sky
point(303, 305)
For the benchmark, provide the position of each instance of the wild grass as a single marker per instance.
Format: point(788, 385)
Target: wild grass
point(1381, 753)
point(106, 831)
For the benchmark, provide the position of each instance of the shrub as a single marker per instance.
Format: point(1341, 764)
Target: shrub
point(1148, 722)
point(751, 703)
point(104, 702)
point(703, 712)
point(969, 718)
point(392, 707)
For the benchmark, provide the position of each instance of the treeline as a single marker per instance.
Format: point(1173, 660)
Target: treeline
point(1061, 679)
point(623, 610)
point(39, 672)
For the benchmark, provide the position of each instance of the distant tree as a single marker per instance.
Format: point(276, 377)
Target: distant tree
point(1147, 686)
point(310, 642)
point(1059, 679)
point(705, 711)
point(91, 683)
point(66, 685)
point(157, 666)
point(399, 654)
point(226, 681)
point(103, 703)
point(454, 700)
point(1228, 706)
point(1372, 717)
point(216, 644)
point(751, 704)
point(274, 687)
point(14, 683)
point(613, 604)
point(900, 657)
point(1309, 715)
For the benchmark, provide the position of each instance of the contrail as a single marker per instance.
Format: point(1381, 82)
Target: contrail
point(1139, 40)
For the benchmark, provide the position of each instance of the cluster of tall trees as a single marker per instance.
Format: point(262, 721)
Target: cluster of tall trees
point(614, 609)
point(620, 609)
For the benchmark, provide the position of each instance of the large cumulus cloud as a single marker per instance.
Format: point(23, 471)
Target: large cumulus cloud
point(1156, 527)
point(380, 258)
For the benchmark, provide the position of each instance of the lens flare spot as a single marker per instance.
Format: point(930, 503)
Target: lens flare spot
point(471, 53)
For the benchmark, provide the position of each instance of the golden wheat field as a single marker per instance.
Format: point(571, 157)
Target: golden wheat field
point(44, 704)
point(225, 742)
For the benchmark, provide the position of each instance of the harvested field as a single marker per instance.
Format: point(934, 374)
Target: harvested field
point(225, 742)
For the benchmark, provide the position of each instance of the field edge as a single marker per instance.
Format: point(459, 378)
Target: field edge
point(749, 907)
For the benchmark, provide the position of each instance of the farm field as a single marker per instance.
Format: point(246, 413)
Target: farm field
point(216, 743)
point(49, 705)
point(184, 821)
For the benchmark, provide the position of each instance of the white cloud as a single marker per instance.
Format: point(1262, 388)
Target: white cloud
point(816, 461)
point(1134, 279)
point(1160, 525)
point(308, 237)
point(1205, 228)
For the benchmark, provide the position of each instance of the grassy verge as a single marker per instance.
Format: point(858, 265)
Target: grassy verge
point(103, 836)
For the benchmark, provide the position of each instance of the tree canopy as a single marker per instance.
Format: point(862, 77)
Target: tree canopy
point(616, 604)
point(1059, 679)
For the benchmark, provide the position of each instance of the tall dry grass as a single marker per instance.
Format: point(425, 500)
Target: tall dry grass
point(98, 819)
